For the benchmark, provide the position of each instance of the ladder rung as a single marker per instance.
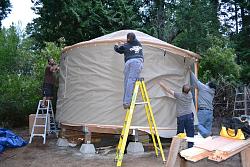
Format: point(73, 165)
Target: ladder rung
point(240, 101)
point(40, 116)
point(39, 125)
point(38, 134)
point(240, 109)
point(42, 107)
point(140, 103)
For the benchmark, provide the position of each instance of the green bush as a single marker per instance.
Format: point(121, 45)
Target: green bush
point(22, 76)
point(19, 95)
point(219, 62)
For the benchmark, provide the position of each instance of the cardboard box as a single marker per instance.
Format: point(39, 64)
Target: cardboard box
point(39, 121)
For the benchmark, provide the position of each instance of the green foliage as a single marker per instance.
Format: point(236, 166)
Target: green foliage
point(79, 20)
point(218, 62)
point(237, 21)
point(197, 20)
point(19, 96)
point(5, 8)
point(8, 49)
point(22, 76)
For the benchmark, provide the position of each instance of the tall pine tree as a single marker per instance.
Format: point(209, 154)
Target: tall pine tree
point(82, 20)
point(5, 9)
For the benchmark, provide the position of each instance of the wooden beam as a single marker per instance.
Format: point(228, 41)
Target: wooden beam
point(87, 135)
point(219, 156)
point(195, 154)
point(173, 151)
point(245, 157)
point(196, 69)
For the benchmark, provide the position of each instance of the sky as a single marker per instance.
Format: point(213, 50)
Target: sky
point(21, 14)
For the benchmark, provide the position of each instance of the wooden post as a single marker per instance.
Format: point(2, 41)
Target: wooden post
point(87, 135)
point(136, 135)
point(245, 99)
point(196, 69)
point(173, 160)
point(245, 160)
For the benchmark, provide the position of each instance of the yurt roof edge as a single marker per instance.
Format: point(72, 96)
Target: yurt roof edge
point(148, 41)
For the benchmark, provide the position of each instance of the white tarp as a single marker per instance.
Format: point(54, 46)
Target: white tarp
point(91, 81)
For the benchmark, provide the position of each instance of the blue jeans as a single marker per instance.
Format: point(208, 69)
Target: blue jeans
point(186, 122)
point(132, 71)
point(205, 118)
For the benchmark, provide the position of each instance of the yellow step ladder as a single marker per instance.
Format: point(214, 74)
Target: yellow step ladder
point(140, 84)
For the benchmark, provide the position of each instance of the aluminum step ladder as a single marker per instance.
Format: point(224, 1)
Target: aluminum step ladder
point(44, 120)
point(128, 118)
point(242, 101)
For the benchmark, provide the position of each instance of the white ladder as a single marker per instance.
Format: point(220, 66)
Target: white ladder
point(242, 101)
point(46, 115)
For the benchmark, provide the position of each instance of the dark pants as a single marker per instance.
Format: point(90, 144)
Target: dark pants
point(186, 122)
point(47, 90)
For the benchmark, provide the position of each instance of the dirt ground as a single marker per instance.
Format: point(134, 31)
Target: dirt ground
point(50, 155)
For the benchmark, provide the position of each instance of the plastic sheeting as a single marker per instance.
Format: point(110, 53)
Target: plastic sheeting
point(10, 139)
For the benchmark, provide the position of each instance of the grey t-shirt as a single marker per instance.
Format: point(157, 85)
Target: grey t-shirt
point(206, 94)
point(183, 103)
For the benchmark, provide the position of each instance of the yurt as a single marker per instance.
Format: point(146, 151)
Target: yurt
point(91, 82)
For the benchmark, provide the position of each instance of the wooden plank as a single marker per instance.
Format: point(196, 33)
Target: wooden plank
point(245, 157)
point(105, 130)
point(195, 154)
point(223, 155)
point(179, 162)
point(222, 144)
point(173, 151)
point(196, 70)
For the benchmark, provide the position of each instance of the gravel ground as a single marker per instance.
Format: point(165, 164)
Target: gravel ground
point(49, 155)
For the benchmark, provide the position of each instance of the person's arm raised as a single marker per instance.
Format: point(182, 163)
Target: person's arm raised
point(166, 88)
point(119, 49)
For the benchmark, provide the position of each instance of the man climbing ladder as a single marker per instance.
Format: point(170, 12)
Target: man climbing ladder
point(133, 57)
point(151, 121)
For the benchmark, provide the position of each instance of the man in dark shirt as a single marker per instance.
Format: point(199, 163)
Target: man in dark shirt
point(133, 58)
point(48, 83)
point(185, 117)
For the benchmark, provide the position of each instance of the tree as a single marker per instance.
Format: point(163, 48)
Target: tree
point(218, 62)
point(236, 17)
point(196, 19)
point(9, 41)
point(159, 19)
point(21, 77)
point(5, 9)
point(79, 20)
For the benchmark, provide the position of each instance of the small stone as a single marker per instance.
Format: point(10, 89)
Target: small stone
point(62, 142)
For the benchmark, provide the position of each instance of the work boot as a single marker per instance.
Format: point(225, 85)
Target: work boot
point(126, 106)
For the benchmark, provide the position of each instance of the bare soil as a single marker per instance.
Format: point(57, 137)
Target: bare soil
point(50, 155)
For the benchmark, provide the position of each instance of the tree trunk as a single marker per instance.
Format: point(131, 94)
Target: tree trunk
point(160, 19)
point(236, 18)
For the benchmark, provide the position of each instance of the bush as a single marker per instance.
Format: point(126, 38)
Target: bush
point(22, 76)
point(219, 62)
point(19, 96)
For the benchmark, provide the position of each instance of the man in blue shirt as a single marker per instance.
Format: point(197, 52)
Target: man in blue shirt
point(205, 105)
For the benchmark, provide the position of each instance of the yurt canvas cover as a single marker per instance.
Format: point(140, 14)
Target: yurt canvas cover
point(91, 81)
